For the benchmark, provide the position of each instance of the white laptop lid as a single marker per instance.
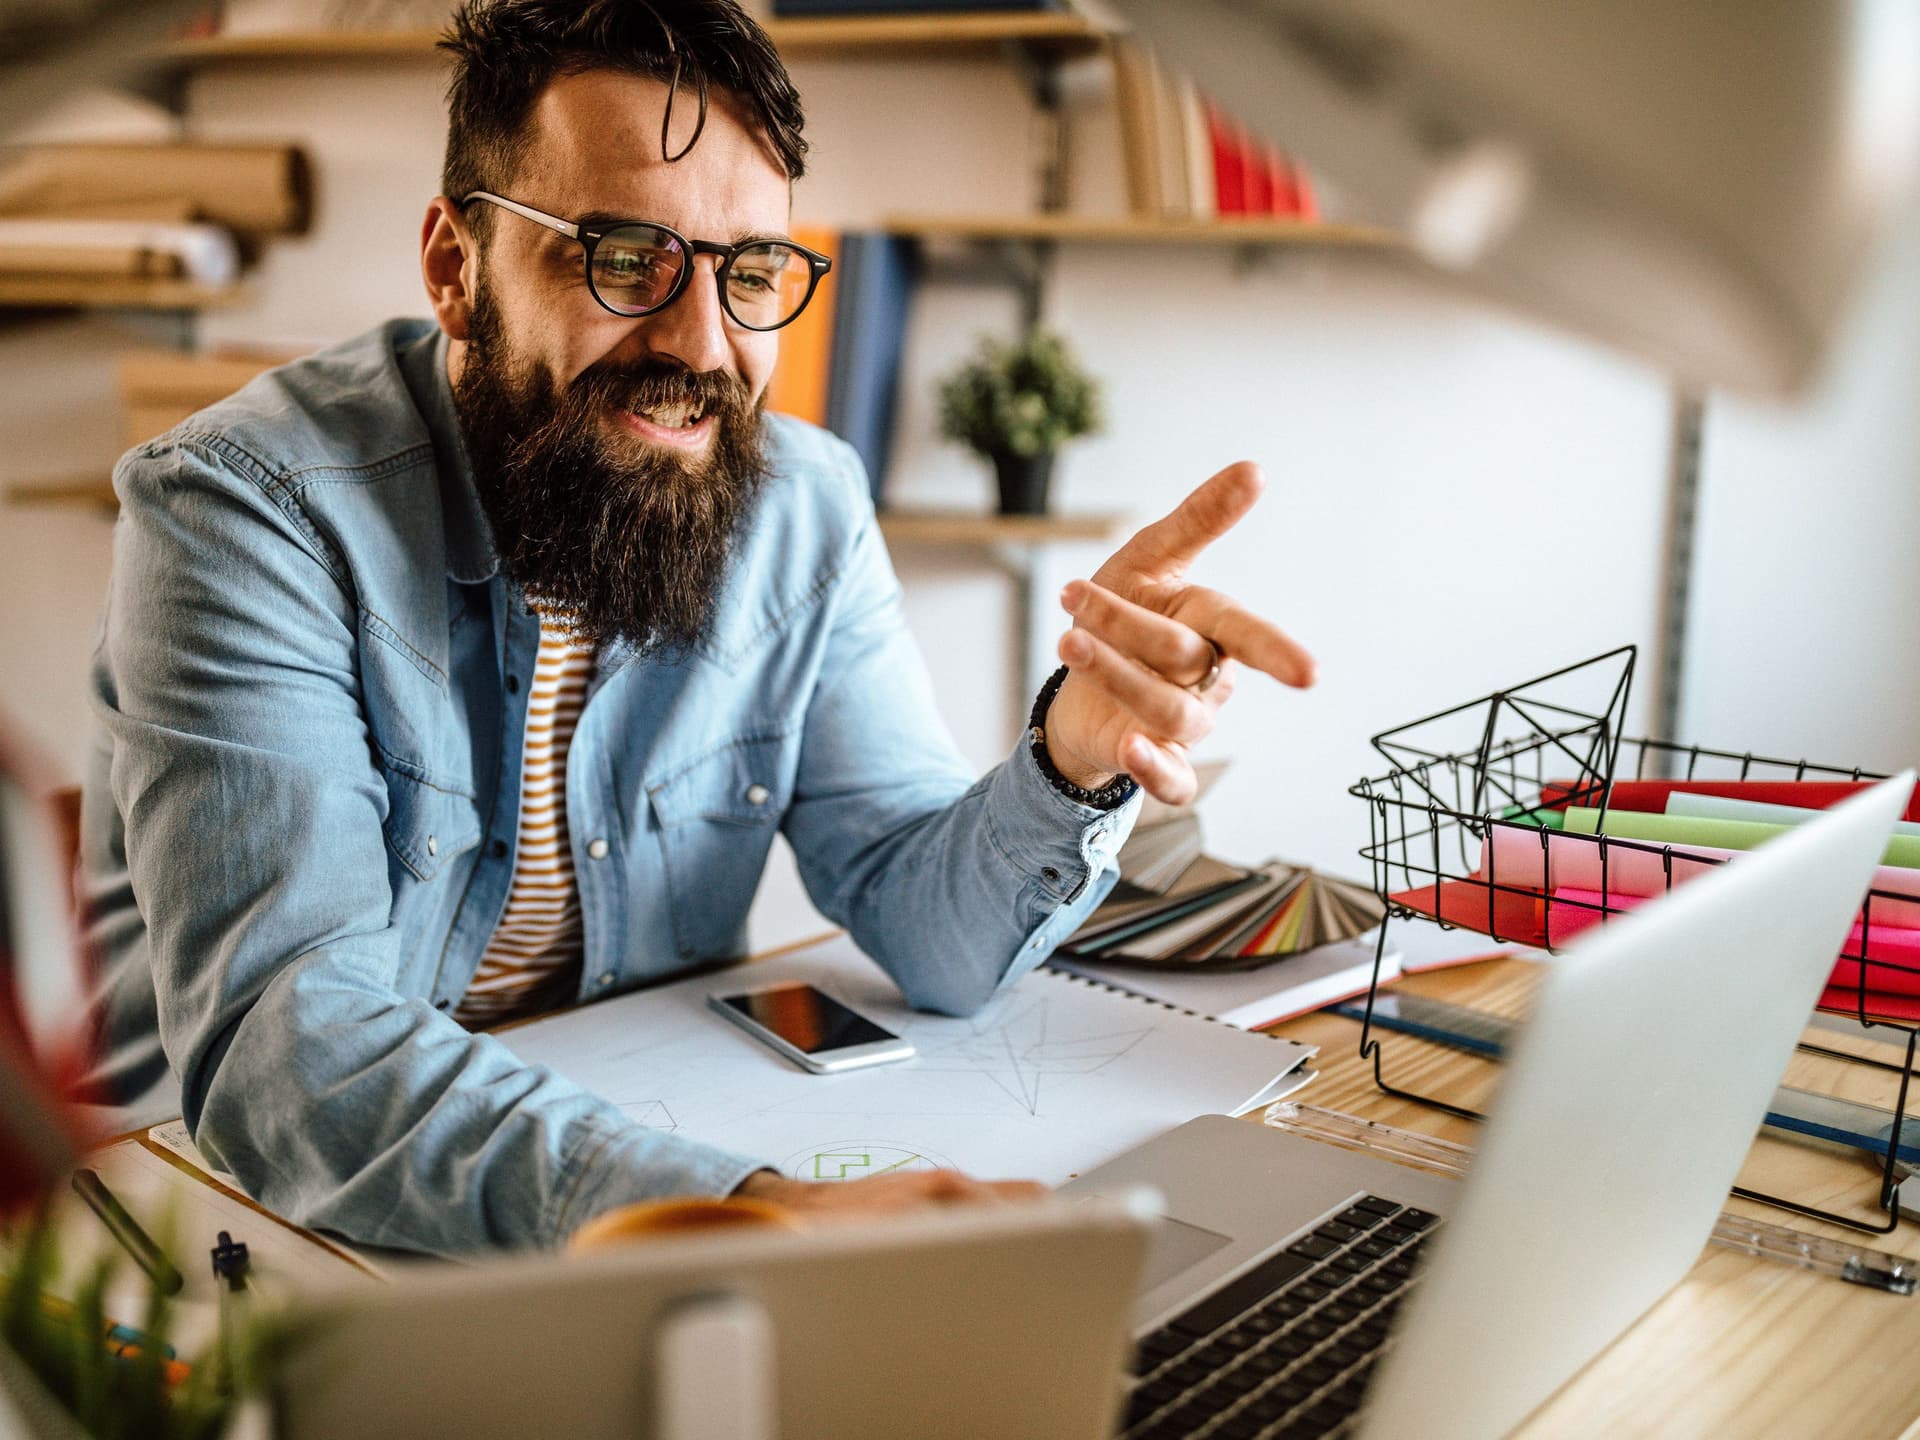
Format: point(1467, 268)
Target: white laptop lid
point(1631, 1099)
point(1006, 1322)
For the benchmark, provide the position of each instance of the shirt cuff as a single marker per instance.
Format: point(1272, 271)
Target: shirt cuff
point(625, 1166)
point(1058, 843)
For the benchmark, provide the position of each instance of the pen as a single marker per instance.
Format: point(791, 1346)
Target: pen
point(122, 1226)
point(122, 1339)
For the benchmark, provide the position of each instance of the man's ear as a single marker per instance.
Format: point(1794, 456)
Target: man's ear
point(449, 264)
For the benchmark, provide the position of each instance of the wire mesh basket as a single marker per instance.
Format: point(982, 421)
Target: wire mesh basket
point(1495, 818)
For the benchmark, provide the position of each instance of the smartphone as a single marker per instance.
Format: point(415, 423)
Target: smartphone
point(811, 1028)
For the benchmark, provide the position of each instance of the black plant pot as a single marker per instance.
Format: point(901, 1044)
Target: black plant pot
point(1023, 482)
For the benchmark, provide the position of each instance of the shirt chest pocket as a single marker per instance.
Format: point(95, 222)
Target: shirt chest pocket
point(426, 827)
point(424, 753)
point(716, 819)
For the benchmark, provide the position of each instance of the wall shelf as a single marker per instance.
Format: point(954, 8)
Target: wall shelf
point(111, 292)
point(1058, 36)
point(970, 527)
point(1140, 230)
point(81, 491)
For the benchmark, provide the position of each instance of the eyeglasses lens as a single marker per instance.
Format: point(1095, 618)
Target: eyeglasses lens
point(767, 284)
point(635, 268)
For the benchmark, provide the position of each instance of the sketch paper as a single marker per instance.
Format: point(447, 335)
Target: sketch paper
point(1053, 1077)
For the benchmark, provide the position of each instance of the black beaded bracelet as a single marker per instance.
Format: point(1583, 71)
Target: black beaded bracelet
point(1110, 796)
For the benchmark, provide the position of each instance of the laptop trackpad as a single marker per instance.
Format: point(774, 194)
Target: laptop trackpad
point(1176, 1247)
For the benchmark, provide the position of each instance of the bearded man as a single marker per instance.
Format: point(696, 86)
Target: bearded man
point(467, 669)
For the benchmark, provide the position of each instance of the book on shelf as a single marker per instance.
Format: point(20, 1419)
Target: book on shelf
point(863, 336)
point(801, 378)
point(1188, 159)
point(840, 361)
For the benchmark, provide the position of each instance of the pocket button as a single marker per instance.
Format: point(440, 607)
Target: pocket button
point(757, 794)
point(597, 850)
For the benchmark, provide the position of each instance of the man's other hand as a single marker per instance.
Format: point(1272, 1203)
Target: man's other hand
point(899, 1193)
point(1143, 687)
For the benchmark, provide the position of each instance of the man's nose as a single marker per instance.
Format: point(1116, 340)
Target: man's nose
point(693, 329)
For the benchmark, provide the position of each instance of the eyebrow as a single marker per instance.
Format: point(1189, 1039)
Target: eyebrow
point(603, 220)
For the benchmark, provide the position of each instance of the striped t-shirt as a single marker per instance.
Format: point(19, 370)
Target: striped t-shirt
point(533, 961)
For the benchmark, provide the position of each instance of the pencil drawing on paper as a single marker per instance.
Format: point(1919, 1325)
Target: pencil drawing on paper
point(857, 1159)
point(1016, 1052)
point(651, 1113)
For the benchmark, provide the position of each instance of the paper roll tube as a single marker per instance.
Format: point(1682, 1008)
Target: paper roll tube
point(1515, 855)
point(1893, 952)
point(260, 189)
point(1903, 850)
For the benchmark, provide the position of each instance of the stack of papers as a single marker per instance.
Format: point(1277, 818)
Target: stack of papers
point(1249, 999)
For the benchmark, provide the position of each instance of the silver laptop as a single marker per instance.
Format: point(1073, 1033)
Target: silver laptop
point(1281, 1267)
point(1272, 1303)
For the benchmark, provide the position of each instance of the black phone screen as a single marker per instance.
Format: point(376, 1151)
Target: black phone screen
point(808, 1019)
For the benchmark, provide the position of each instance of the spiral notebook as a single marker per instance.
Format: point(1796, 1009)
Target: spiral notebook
point(1056, 1075)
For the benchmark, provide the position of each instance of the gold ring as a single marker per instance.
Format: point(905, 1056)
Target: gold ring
point(1205, 682)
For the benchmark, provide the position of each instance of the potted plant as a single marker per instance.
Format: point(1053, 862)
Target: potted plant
point(1017, 405)
point(67, 1372)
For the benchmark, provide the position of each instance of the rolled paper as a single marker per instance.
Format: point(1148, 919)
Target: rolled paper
point(1652, 795)
point(1892, 952)
point(1526, 857)
point(1720, 807)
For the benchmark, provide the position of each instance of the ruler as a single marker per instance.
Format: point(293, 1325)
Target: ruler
point(1877, 1269)
point(1796, 1112)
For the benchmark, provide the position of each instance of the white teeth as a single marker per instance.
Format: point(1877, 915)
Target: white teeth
point(674, 416)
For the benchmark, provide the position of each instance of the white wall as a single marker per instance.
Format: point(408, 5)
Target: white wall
point(1806, 613)
point(1459, 501)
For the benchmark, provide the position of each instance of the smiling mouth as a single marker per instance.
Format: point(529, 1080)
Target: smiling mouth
point(678, 422)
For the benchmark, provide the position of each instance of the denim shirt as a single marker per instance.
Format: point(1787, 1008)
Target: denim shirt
point(311, 682)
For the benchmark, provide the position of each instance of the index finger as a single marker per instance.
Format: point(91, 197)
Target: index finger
point(1237, 632)
point(1176, 540)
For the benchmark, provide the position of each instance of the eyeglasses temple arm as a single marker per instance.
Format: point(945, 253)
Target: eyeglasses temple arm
point(527, 212)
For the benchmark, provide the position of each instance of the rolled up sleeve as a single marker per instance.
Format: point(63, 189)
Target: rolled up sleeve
point(955, 886)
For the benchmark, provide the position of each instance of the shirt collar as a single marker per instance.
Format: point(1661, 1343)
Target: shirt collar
point(471, 557)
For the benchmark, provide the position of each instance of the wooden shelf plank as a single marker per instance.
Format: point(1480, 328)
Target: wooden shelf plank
point(915, 527)
point(307, 45)
point(970, 527)
point(1130, 229)
point(95, 491)
point(984, 33)
point(108, 292)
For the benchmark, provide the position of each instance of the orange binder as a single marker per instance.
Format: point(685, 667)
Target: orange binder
point(799, 385)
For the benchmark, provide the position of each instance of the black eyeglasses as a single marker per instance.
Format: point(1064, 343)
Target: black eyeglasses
point(636, 267)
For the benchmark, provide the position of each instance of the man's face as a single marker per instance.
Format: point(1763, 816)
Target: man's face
point(608, 499)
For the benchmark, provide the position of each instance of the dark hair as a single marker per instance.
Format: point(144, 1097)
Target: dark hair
point(506, 52)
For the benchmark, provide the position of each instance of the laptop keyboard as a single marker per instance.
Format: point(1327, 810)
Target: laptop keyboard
point(1285, 1350)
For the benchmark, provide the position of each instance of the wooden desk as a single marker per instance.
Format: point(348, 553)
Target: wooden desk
point(1742, 1347)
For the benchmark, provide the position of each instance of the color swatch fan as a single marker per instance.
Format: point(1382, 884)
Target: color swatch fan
point(1230, 919)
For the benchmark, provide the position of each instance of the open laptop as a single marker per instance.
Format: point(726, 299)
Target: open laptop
point(1275, 1283)
point(1272, 1302)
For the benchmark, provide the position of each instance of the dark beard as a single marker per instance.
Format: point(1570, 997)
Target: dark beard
point(630, 545)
